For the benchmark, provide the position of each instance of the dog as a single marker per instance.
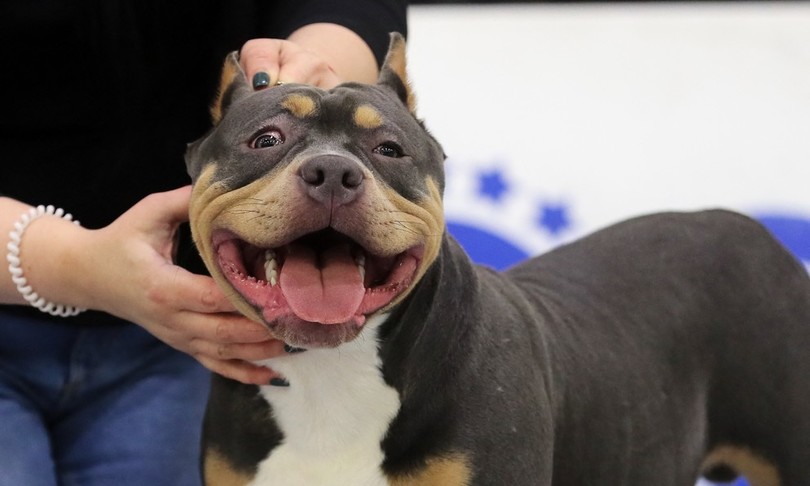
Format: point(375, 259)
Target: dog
point(648, 353)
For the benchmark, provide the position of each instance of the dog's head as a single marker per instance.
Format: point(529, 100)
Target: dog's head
point(316, 209)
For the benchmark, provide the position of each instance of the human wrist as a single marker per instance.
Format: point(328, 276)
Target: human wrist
point(41, 270)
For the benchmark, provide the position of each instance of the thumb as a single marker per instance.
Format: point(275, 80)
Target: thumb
point(170, 206)
point(157, 217)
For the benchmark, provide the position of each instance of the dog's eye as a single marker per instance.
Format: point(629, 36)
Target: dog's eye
point(389, 149)
point(267, 139)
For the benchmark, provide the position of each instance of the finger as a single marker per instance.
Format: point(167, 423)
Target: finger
point(301, 66)
point(242, 371)
point(211, 297)
point(186, 291)
point(221, 328)
point(328, 80)
point(201, 311)
point(237, 329)
point(242, 351)
point(259, 58)
point(171, 206)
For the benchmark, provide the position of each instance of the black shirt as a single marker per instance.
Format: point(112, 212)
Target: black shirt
point(100, 97)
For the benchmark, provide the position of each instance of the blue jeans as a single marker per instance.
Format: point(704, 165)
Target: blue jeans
point(96, 406)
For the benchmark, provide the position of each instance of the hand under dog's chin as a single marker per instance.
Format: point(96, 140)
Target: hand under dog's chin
point(300, 333)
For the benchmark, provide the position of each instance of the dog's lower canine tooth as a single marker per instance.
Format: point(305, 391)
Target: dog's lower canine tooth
point(271, 267)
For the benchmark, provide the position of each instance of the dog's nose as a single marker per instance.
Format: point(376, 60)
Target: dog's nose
point(332, 180)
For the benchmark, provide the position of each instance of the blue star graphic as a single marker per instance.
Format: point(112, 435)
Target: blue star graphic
point(492, 185)
point(554, 218)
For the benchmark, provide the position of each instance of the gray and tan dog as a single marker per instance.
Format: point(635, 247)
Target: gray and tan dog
point(649, 353)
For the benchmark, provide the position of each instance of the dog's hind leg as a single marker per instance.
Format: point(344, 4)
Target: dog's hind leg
point(760, 428)
point(762, 431)
point(759, 403)
point(793, 458)
point(726, 463)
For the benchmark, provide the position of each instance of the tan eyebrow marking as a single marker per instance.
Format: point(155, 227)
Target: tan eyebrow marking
point(299, 105)
point(366, 116)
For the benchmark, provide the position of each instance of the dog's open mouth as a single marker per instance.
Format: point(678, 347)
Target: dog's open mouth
point(324, 277)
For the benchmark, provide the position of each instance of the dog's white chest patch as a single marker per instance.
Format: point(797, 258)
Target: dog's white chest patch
point(334, 416)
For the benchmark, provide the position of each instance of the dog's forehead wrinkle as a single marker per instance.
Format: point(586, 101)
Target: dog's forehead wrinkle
point(335, 144)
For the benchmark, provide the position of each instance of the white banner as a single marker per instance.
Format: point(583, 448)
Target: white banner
point(560, 119)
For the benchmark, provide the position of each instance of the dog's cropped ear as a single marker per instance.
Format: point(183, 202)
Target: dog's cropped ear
point(394, 72)
point(232, 86)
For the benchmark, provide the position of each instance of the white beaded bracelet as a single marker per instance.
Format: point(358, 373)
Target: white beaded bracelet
point(13, 258)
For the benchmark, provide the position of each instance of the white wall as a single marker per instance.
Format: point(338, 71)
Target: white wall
point(593, 113)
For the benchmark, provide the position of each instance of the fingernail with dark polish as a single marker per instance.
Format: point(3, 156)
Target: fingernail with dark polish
point(291, 349)
point(261, 80)
point(279, 382)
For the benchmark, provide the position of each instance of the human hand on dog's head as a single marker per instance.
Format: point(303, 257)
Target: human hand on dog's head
point(322, 55)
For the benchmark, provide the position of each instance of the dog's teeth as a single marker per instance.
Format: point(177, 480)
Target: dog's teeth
point(271, 267)
point(360, 260)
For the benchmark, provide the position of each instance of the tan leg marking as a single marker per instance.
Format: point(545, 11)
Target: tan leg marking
point(756, 469)
point(219, 472)
point(453, 470)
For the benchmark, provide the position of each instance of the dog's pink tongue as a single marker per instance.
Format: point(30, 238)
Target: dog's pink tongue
point(329, 293)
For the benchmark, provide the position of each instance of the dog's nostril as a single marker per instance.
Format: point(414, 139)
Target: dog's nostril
point(320, 178)
point(352, 179)
point(313, 176)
